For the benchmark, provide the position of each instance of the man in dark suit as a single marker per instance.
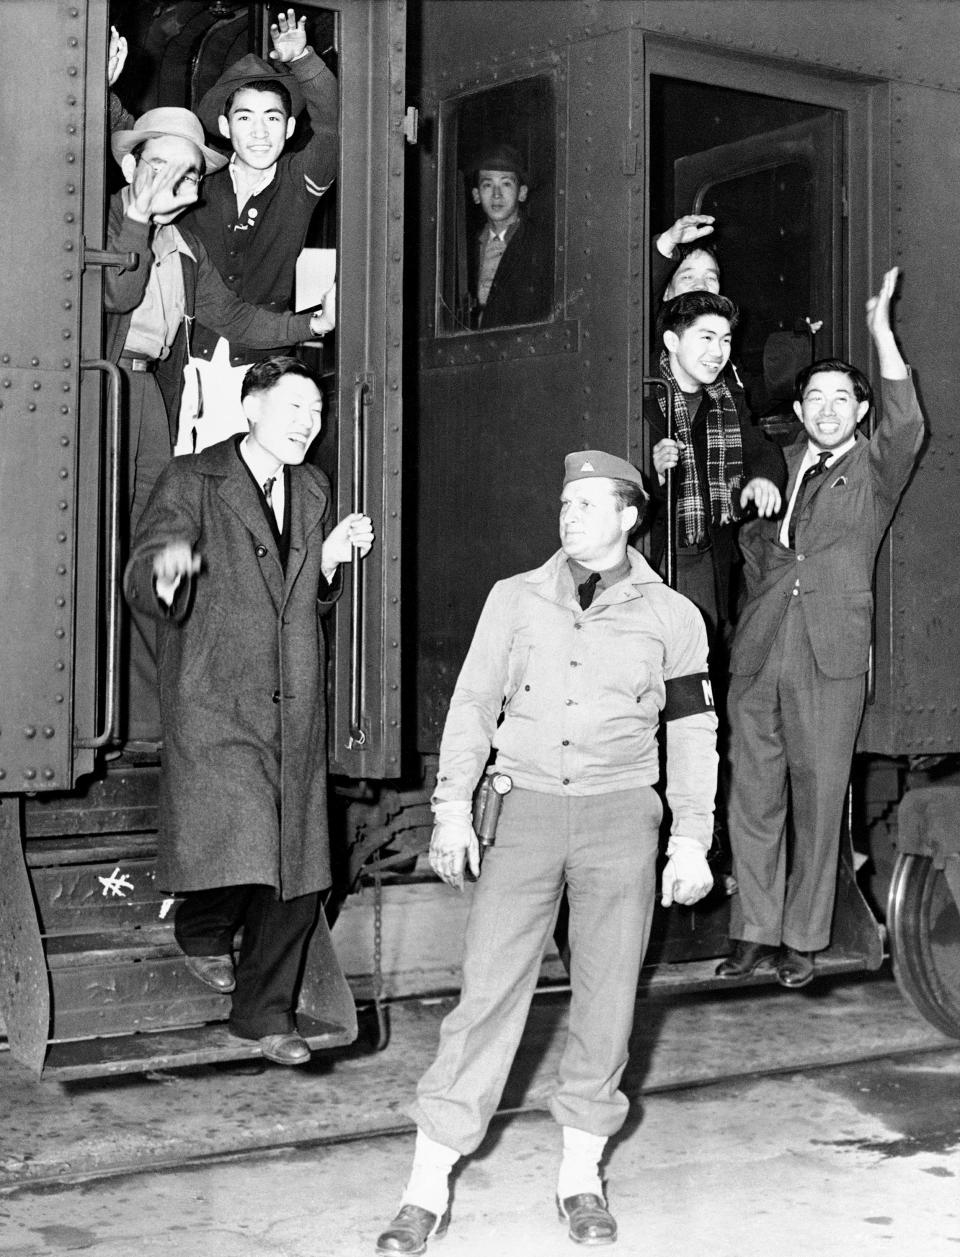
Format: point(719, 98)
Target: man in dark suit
point(800, 653)
point(510, 270)
point(235, 557)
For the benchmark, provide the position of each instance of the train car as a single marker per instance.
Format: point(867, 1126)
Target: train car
point(820, 134)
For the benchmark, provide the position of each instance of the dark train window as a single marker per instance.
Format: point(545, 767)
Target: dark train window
point(497, 229)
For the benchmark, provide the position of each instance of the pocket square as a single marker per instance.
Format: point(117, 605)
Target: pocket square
point(840, 480)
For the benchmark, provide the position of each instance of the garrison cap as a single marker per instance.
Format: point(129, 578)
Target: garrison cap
point(501, 157)
point(249, 69)
point(589, 464)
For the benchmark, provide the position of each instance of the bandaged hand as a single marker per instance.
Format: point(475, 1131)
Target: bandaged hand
point(453, 844)
point(686, 875)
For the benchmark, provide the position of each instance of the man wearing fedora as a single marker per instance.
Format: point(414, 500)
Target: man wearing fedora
point(509, 272)
point(570, 670)
point(149, 308)
point(255, 213)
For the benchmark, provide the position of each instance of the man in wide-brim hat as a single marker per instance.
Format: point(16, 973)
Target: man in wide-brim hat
point(255, 215)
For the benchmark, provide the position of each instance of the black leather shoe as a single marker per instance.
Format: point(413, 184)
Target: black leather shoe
point(214, 971)
point(795, 968)
point(746, 958)
point(410, 1229)
point(588, 1218)
point(285, 1049)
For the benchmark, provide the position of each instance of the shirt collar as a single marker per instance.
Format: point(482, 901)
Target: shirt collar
point(813, 451)
point(262, 465)
point(611, 576)
point(265, 180)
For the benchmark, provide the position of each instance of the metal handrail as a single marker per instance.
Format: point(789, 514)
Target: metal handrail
point(670, 555)
point(112, 689)
point(358, 735)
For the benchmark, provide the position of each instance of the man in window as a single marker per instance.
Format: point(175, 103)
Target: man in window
point(510, 272)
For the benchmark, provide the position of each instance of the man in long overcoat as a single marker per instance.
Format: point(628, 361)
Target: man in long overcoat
point(233, 557)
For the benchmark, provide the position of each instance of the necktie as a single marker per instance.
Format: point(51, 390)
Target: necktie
point(586, 591)
point(268, 494)
point(816, 469)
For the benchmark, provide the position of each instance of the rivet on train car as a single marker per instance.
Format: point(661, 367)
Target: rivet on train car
point(29, 773)
point(69, 218)
point(68, 276)
point(72, 71)
point(64, 410)
point(66, 364)
point(63, 473)
point(3, 773)
point(61, 537)
point(60, 633)
point(61, 570)
point(66, 333)
point(68, 246)
point(36, 383)
point(48, 731)
point(5, 358)
point(49, 774)
point(7, 383)
point(58, 698)
point(35, 362)
point(32, 406)
point(61, 601)
point(71, 189)
point(59, 666)
point(30, 731)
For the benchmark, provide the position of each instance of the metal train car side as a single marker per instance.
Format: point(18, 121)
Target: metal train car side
point(823, 137)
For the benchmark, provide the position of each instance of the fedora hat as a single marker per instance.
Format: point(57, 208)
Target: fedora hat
point(247, 70)
point(169, 120)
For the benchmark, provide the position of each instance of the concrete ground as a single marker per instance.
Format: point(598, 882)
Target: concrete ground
point(857, 1158)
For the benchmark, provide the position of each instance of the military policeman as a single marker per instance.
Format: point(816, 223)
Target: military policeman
point(571, 667)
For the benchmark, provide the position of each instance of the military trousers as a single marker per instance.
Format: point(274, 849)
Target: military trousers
point(603, 849)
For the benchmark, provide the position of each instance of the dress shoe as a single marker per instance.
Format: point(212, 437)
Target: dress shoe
point(285, 1049)
point(410, 1229)
point(795, 968)
point(214, 971)
point(588, 1218)
point(746, 958)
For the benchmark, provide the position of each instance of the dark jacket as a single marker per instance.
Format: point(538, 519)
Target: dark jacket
point(256, 251)
point(844, 515)
point(760, 458)
point(522, 288)
point(241, 661)
point(207, 298)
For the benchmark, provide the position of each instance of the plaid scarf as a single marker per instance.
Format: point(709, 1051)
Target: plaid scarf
point(724, 460)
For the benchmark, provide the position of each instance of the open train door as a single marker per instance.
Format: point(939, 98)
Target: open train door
point(88, 963)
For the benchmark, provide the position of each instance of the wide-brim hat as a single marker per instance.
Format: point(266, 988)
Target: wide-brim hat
point(591, 464)
point(170, 120)
point(248, 69)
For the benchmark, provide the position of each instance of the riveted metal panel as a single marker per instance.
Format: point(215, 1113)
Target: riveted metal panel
point(369, 344)
point(498, 410)
point(41, 259)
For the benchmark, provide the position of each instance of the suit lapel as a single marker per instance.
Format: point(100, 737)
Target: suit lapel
point(239, 493)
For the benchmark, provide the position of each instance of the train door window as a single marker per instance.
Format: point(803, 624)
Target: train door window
point(497, 234)
point(768, 170)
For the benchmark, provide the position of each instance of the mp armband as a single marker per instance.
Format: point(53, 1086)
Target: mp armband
point(688, 696)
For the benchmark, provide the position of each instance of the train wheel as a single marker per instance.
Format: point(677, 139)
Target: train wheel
point(924, 927)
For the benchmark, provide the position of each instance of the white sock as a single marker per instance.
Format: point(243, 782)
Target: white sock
point(579, 1169)
point(427, 1185)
